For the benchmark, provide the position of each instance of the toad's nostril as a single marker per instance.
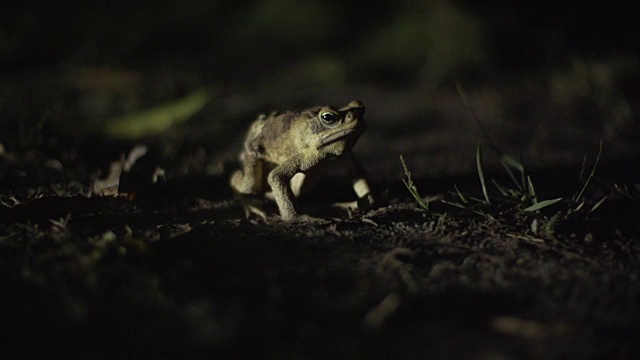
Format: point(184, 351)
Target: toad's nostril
point(355, 104)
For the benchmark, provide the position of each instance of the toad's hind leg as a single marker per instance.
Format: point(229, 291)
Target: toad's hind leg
point(360, 185)
point(248, 180)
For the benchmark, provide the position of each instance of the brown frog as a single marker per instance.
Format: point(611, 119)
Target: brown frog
point(288, 154)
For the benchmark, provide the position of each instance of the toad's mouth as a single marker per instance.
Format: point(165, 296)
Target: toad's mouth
point(337, 136)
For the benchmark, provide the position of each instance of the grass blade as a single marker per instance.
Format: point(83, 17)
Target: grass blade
point(462, 197)
point(542, 204)
point(458, 205)
point(468, 208)
point(591, 175)
point(500, 188)
point(584, 165)
point(507, 161)
point(597, 205)
point(412, 187)
point(481, 174)
point(531, 191)
point(511, 175)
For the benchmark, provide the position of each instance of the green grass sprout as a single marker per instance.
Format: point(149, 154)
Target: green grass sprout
point(424, 205)
point(506, 160)
point(597, 205)
point(591, 175)
point(525, 190)
point(510, 163)
point(531, 191)
point(542, 204)
point(501, 189)
point(462, 197)
point(483, 183)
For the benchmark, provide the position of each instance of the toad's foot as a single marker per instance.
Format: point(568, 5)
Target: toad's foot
point(251, 206)
point(306, 219)
point(363, 203)
point(255, 210)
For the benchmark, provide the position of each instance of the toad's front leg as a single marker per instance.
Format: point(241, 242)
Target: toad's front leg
point(279, 179)
point(360, 183)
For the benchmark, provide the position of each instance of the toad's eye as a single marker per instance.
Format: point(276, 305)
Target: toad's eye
point(328, 118)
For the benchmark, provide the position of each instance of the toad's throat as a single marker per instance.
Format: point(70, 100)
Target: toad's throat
point(336, 136)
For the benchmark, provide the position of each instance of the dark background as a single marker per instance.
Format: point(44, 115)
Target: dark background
point(70, 69)
point(384, 40)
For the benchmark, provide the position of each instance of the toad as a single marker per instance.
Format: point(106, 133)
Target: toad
point(285, 155)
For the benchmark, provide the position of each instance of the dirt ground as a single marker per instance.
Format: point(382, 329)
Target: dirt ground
point(174, 269)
